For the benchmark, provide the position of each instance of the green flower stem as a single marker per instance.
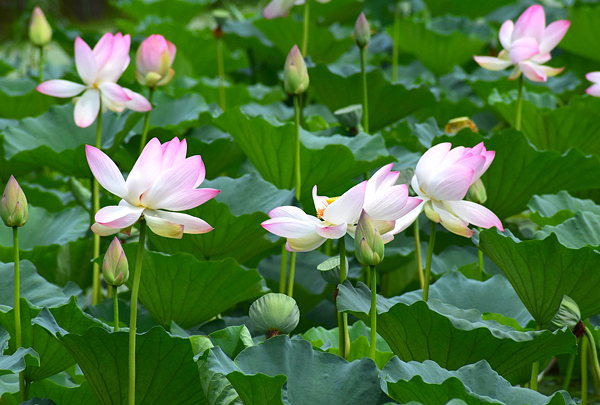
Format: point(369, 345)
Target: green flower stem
point(480, 261)
point(535, 369)
point(343, 330)
point(569, 372)
point(418, 253)
point(41, 64)
point(519, 103)
point(594, 356)
point(146, 121)
point(96, 292)
point(368, 275)
point(290, 286)
point(116, 309)
point(221, 69)
point(373, 312)
point(283, 272)
point(363, 62)
point(297, 172)
point(22, 389)
point(305, 28)
point(428, 262)
point(133, 317)
point(395, 46)
point(583, 358)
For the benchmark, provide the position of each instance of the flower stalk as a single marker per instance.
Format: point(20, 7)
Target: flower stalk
point(96, 285)
point(305, 27)
point(18, 335)
point(290, 286)
point(428, 262)
point(297, 172)
point(283, 271)
point(373, 312)
point(418, 253)
point(146, 122)
point(116, 308)
point(41, 64)
point(363, 61)
point(344, 341)
point(583, 359)
point(519, 104)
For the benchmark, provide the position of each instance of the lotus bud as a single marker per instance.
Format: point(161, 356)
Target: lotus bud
point(362, 31)
point(40, 32)
point(568, 315)
point(350, 116)
point(295, 75)
point(115, 267)
point(274, 314)
point(368, 244)
point(153, 61)
point(477, 192)
point(13, 206)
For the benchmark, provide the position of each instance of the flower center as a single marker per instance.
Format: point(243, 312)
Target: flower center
point(326, 203)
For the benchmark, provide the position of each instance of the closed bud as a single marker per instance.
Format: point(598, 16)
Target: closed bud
point(40, 32)
point(568, 315)
point(153, 61)
point(368, 244)
point(115, 267)
point(295, 75)
point(13, 206)
point(274, 314)
point(477, 192)
point(362, 31)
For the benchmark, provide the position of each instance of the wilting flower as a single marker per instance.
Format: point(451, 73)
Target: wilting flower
point(281, 8)
point(99, 70)
point(40, 32)
point(161, 179)
point(594, 89)
point(527, 44)
point(153, 61)
point(442, 179)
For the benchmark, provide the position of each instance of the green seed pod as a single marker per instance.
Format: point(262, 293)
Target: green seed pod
point(274, 314)
point(13, 206)
point(115, 267)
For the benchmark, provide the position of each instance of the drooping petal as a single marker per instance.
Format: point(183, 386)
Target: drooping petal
point(118, 217)
point(145, 171)
point(346, 208)
point(137, 102)
point(383, 177)
point(105, 171)
point(172, 181)
point(289, 227)
point(190, 224)
point(523, 49)
point(451, 222)
point(553, 34)
point(450, 184)
point(505, 34)
point(430, 162)
point(475, 214)
point(332, 232)
point(593, 90)
point(406, 220)
point(85, 62)
point(102, 230)
point(187, 199)
point(531, 23)
point(164, 227)
point(305, 244)
point(389, 203)
point(60, 88)
point(87, 107)
point(550, 71)
point(593, 77)
point(533, 71)
point(492, 63)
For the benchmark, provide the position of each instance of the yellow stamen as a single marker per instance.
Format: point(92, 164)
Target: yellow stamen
point(326, 203)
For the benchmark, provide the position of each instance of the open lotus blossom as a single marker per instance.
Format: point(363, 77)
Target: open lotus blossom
point(442, 178)
point(594, 89)
point(527, 45)
point(281, 8)
point(99, 70)
point(161, 179)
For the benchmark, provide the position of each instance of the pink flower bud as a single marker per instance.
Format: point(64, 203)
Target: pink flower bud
point(153, 61)
point(295, 75)
point(13, 206)
point(40, 32)
point(362, 31)
point(115, 267)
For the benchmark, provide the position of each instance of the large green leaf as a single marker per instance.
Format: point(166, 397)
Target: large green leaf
point(476, 384)
point(291, 369)
point(577, 232)
point(584, 32)
point(330, 162)
point(542, 271)
point(182, 289)
point(553, 209)
point(236, 214)
point(220, 154)
point(174, 113)
point(339, 87)
point(165, 370)
point(18, 361)
point(450, 336)
point(179, 10)
point(19, 98)
point(470, 8)
point(64, 395)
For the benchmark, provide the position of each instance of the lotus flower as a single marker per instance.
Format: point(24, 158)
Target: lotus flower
point(594, 89)
point(153, 61)
point(281, 8)
point(442, 178)
point(527, 44)
point(99, 70)
point(161, 179)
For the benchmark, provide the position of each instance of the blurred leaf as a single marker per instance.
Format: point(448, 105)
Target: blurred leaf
point(19, 98)
point(584, 33)
point(553, 209)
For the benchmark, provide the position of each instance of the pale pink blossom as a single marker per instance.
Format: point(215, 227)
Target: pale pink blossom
point(442, 178)
point(99, 70)
point(161, 179)
point(527, 45)
point(153, 61)
point(594, 89)
point(281, 8)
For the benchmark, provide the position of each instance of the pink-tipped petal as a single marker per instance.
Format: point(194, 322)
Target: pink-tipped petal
point(87, 107)
point(389, 204)
point(505, 34)
point(174, 153)
point(121, 216)
point(102, 230)
point(85, 62)
point(103, 49)
point(105, 171)
point(191, 225)
point(383, 177)
point(137, 102)
point(531, 23)
point(523, 49)
point(114, 92)
point(533, 72)
point(332, 232)
point(172, 181)
point(60, 88)
point(187, 199)
point(406, 220)
point(593, 77)
point(410, 205)
point(289, 227)
point(450, 184)
point(164, 227)
point(145, 171)
point(451, 222)
point(118, 60)
point(475, 214)
point(346, 208)
point(306, 243)
point(593, 90)
point(553, 34)
point(430, 162)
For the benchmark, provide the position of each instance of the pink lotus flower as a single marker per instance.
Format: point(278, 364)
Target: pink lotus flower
point(594, 89)
point(281, 8)
point(161, 179)
point(527, 44)
point(99, 70)
point(153, 61)
point(442, 179)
